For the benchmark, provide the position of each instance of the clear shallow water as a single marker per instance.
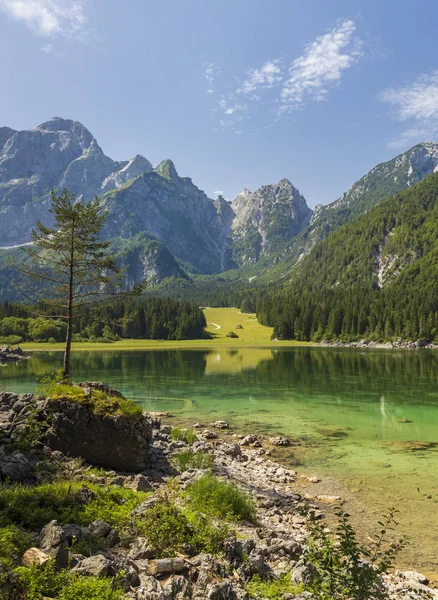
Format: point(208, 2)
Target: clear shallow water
point(368, 419)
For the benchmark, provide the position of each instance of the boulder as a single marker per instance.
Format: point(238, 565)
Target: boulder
point(34, 556)
point(15, 467)
point(53, 541)
point(96, 566)
point(112, 441)
point(141, 549)
point(99, 528)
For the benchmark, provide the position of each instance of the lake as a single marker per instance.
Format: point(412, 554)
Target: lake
point(366, 420)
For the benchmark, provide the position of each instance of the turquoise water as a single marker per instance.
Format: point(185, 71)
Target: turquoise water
point(365, 419)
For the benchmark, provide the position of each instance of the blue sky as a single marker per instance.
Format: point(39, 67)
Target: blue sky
point(239, 93)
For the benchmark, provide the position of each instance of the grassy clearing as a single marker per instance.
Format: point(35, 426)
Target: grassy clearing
point(251, 334)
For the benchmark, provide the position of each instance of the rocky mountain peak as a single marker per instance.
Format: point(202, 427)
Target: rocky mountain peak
point(166, 169)
point(266, 220)
point(5, 134)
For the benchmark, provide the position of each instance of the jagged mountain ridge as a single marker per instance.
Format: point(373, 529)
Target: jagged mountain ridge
point(198, 231)
point(382, 182)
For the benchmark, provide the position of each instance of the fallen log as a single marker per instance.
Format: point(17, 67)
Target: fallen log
point(162, 566)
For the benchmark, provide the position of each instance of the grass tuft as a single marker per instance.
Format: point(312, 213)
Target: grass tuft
point(220, 499)
point(189, 436)
point(194, 460)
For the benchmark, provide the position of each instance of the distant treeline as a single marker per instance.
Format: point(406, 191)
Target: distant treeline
point(149, 318)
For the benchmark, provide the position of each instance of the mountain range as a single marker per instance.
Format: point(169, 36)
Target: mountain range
point(161, 225)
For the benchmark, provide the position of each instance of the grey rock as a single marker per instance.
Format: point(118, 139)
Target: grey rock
point(53, 541)
point(96, 566)
point(15, 467)
point(141, 549)
point(77, 431)
point(113, 538)
point(72, 533)
point(138, 483)
point(99, 528)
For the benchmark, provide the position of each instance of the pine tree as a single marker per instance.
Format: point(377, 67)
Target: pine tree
point(72, 260)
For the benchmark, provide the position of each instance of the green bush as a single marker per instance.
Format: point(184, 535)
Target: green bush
point(188, 436)
point(194, 460)
point(232, 334)
point(274, 589)
point(171, 530)
point(33, 507)
point(346, 569)
point(36, 583)
point(11, 340)
point(220, 499)
point(13, 542)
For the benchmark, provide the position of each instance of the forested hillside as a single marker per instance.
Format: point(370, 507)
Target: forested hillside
point(375, 277)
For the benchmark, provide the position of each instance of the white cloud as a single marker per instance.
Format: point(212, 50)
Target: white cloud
point(211, 72)
point(49, 17)
point(320, 67)
point(50, 49)
point(418, 103)
point(218, 193)
point(267, 76)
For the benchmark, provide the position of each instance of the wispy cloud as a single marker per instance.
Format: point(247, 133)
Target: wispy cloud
point(217, 193)
point(50, 49)
point(267, 76)
point(282, 85)
point(211, 72)
point(416, 103)
point(320, 68)
point(49, 18)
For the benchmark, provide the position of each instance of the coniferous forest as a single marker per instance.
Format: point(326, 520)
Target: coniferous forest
point(376, 277)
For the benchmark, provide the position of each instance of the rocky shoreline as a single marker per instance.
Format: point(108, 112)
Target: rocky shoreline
point(398, 344)
point(271, 546)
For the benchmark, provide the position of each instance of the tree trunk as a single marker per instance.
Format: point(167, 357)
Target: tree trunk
point(66, 370)
point(162, 566)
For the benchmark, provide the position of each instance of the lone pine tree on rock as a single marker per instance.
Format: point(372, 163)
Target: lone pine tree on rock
point(72, 260)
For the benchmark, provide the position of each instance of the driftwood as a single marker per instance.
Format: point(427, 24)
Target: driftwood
point(165, 565)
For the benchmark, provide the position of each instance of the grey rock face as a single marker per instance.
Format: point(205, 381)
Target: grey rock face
point(96, 566)
point(58, 154)
point(77, 431)
point(266, 220)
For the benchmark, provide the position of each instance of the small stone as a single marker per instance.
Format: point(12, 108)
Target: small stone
point(209, 435)
point(280, 441)
point(138, 483)
point(220, 425)
point(53, 541)
point(113, 538)
point(99, 528)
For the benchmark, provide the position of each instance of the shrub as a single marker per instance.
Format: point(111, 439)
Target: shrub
point(188, 436)
point(345, 568)
point(194, 460)
point(13, 542)
point(33, 507)
point(11, 340)
point(35, 583)
point(220, 499)
point(171, 530)
point(232, 334)
point(275, 589)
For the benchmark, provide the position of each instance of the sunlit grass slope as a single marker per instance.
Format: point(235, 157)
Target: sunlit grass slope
point(220, 322)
